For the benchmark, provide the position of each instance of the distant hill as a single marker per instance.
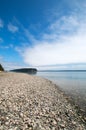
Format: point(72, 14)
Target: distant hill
point(1, 68)
point(25, 70)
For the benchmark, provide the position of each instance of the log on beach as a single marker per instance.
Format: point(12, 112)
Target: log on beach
point(33, 103)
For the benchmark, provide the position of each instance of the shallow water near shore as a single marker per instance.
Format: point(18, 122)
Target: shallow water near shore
point(72, 83)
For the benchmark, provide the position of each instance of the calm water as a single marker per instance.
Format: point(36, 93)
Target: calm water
point(73, 83)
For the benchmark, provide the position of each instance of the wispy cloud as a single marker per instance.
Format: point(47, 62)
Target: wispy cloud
point(1, 58)
point(68, 47)
point(4, 47)
point(12, 65)
point(29, 36)
point(73, 66)
point(1, 40)
point(63, 42)
point(12, 28)
point(8, 65)
point(72, 50)
point(1, 23)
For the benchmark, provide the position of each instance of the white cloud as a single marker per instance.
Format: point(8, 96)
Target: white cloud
point(63, 49)
point(1, 23)
point(64, 42)
point(12, 28)
point(72, 50)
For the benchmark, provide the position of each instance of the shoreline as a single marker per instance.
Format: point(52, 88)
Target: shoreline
point(81, 111)
point(31, 102)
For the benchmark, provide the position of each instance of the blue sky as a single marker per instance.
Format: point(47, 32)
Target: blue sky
point(47, 34)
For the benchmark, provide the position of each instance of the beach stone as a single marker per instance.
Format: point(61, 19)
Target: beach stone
point(33, 103)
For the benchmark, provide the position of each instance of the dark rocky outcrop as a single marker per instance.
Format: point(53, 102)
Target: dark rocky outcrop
point(26, 70)
point(1, 68)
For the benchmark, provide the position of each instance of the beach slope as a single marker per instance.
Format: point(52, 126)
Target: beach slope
point(33, 103)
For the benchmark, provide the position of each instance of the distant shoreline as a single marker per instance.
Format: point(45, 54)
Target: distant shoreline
point(61, 70)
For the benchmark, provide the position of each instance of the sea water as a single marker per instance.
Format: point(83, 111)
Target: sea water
point(72, 83)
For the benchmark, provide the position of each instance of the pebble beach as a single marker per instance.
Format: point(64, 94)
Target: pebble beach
point(34, 103)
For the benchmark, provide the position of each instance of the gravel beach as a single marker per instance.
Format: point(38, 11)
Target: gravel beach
point(33, 103)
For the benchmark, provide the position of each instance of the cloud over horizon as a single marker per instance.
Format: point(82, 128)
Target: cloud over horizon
point(63, 43)
point(71, 50)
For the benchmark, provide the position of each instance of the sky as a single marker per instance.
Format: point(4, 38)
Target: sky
point(46, 34)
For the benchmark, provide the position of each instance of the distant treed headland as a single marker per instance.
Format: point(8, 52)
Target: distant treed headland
point(26, 70)
point(22, 70)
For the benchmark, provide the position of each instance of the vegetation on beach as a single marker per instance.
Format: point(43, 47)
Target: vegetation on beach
point(1, 68)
